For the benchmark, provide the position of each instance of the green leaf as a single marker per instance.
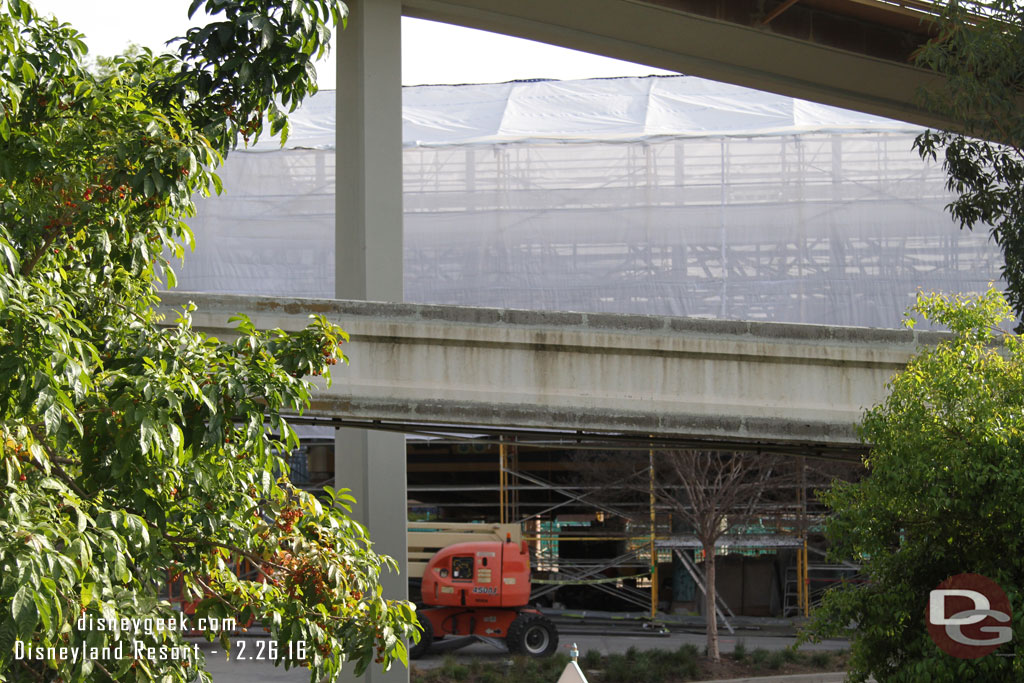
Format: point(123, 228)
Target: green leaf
point(28, 72)
point(23, 609)
point(109, 613)
point(266, 35)
point(402, 653)
point(120, 568)
point(52, 418)
point(86, 594)
point(101, 160)
point(10, 256)
point(147, 434)
point(43, 609)
point(80, 550)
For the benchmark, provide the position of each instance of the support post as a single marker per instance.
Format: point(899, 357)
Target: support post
point(806, 594)
point(368, 262)
point(502, 480)
point(799, 581)
point(654, 550)
point(512, 492)
point(807, 583)
point(800, 560)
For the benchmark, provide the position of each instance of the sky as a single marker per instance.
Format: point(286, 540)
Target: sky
point(431, 52)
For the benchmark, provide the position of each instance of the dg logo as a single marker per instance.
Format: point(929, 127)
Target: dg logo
point(969, 616)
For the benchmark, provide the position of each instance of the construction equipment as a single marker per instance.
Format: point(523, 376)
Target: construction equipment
point(481, 589)
point(427, 538)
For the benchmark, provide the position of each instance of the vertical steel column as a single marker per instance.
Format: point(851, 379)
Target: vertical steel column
point(805, 584)
point(799, 531)
point(654, 551)
point(502, 480)
point(512, 494)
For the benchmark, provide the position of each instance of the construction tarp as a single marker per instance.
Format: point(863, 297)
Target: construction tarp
point(658, 195)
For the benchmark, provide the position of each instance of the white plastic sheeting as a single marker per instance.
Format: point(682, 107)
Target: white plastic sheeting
point(599, 110)
point(660, 195)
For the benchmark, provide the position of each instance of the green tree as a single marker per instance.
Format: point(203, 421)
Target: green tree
point(942, 497)
point(979, 49)
point(134, 451)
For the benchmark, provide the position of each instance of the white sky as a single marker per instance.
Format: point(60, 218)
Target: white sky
point(431, 52)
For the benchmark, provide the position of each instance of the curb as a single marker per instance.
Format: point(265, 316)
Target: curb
point(834, 677)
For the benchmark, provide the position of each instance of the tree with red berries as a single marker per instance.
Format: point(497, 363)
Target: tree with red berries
point(136, 451)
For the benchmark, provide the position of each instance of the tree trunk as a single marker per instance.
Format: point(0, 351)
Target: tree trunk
point(710, 613)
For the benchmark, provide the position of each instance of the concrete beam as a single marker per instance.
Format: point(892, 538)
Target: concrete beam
point(681, 36)
point(776, 383)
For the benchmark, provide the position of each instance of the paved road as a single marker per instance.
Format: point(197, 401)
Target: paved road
point(249, 671)
point(619, 644)
point(263, 672)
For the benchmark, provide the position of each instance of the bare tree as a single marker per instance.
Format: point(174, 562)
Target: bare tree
point(714, 492)
point(711, 492)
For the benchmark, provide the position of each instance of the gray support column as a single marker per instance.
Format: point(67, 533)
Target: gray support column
point(368, 257)
point(368, 204)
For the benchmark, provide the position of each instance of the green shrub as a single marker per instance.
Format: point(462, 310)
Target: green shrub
point(759, 656)
point(452, 670)
point(821, 659)
point(526, 670)
point(591, 660)
point(618, 669)
point(739, 653)
point(776, 660)
point(683, 662)
point(790, 654)
point(690, 649)
point(652, 666)
point(550, 668)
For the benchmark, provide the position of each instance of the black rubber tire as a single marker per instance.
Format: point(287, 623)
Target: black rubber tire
point(426, 640)
point(533, 635)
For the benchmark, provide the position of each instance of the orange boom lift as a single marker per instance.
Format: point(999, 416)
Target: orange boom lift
point(481, 589)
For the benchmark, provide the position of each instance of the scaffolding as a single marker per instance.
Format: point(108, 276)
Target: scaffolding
point(701, 200)
point(820, 228)
point(669, 196)
point(645, 552)
point(522, 480)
